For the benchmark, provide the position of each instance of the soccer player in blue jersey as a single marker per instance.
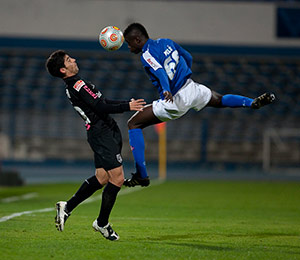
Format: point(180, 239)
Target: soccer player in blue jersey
point(169, 68)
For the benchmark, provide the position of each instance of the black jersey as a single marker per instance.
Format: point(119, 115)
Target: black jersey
point(90, 104)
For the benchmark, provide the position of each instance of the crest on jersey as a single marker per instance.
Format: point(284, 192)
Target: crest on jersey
point(151, 60)
point(119, 158)
point(78, 85)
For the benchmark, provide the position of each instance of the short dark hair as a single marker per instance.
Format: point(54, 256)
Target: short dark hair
point(55, 62)
point(137, 27)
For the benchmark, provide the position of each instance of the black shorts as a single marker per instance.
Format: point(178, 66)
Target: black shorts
point(106, 143)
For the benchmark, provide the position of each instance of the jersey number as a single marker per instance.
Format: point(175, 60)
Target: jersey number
point(82, 114)
point(171, 63)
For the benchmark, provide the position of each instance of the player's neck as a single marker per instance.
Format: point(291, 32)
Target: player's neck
point(69, 75)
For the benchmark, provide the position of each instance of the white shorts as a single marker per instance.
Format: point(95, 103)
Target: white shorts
point(191, 96)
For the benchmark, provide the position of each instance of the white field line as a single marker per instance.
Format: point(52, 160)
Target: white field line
point(17, 198)
point(18, 214)
point(122, 192)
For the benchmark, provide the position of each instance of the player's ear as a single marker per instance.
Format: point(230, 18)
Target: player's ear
point(63, 70)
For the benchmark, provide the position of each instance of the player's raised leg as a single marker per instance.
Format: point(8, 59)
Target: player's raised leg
point(64, 208)
point(230, 100)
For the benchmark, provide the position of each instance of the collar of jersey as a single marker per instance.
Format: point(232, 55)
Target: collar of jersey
point(145, 47)
point(71, 78)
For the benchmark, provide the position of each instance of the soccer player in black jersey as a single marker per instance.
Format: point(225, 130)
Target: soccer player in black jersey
point(104, 138)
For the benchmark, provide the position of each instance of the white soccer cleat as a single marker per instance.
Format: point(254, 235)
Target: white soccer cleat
point(106, 231)
point(61, 215)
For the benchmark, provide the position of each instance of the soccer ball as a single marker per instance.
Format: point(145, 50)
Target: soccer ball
point(111, 38)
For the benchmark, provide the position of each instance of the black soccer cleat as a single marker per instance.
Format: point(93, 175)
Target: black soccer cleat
point(262, 100)
point(136, 180)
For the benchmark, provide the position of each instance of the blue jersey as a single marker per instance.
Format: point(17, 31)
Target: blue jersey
point(167, 64)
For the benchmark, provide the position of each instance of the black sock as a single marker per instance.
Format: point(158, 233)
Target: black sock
point(109, 196)
point(86, 190)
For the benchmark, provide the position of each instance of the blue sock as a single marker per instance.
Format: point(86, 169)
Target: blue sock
point(236, 101)
point(137, 144)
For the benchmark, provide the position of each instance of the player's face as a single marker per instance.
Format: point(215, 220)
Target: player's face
point(71, 67)
point(133, 44)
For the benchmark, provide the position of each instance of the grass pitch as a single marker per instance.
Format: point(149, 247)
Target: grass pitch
point(173, 220)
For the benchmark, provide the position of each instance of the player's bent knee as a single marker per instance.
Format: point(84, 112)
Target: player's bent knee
point(216, 100)
point(101, 176)
point(116, 176)
point(132, 124)
point(120, 182)
point(117, 180)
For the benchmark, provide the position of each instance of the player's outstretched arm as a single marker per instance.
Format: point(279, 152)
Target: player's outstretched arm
point(137, 105)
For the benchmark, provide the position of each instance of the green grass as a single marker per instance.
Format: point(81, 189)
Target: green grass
point(173, 220)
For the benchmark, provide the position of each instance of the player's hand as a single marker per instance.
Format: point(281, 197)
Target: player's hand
point(168, 96)
point(137, 105)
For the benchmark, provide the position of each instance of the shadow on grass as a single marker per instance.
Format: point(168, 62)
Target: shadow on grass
point(191, 244)
point(288, 249)
point(174, 237)
point(201, 246)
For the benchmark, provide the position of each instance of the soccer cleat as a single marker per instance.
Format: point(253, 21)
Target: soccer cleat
point(262, 100)
point(61, 215)
point(136, 180)
point(106, 231)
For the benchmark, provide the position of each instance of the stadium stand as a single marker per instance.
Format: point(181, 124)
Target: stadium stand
point(36, 116)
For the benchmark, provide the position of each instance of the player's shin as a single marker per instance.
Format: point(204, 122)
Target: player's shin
point(87, 189)
point(137, 145)
point(109, 196)
point(230, 100)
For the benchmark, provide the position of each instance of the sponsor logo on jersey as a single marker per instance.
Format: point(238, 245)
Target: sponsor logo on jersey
point(119, 158)
point(151, 60)
point(94, 95)
point(78, 85)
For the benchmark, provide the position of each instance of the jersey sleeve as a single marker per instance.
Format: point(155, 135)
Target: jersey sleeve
point(109, 101)
point(93, 98)
point(111, 108)
point(162, 76)
point(156, 69)
point(185, 54)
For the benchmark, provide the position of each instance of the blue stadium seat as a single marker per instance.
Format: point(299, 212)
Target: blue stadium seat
point(27, 87)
